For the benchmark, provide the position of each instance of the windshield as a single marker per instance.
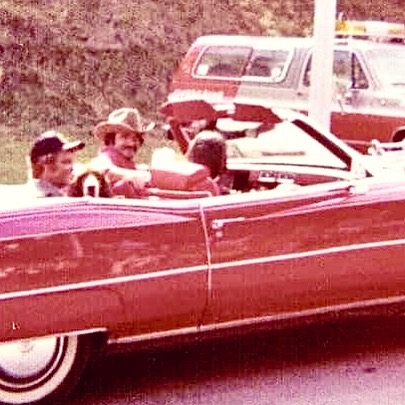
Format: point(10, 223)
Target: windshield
point(389, 65)
point(285, 143)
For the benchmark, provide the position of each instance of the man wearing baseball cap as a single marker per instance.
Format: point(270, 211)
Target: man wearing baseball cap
point(52, 158)
point(121, 136)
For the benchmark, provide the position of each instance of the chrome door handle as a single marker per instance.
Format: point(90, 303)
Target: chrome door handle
point(218, 225)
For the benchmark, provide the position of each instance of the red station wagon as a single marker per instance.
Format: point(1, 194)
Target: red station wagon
point(309, 229)
point(369, 76)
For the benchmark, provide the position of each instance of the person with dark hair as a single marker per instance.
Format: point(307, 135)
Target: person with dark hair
point(52, 158)
point(208, 148)
point(121, 136)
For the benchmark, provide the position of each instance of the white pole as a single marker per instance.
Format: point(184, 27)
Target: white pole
point(321, 90)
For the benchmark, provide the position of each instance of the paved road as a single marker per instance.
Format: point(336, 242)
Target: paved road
point(354, 363)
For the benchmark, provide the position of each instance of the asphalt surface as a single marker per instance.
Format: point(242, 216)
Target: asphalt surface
point(350, 363)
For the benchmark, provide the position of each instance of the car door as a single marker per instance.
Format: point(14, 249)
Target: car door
point(357, 113)
point(129, 269)
point(281, 257)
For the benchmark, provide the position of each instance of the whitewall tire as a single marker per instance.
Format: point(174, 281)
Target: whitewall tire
point(37, 370)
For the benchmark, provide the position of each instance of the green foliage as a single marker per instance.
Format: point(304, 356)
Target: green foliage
point(67, 63)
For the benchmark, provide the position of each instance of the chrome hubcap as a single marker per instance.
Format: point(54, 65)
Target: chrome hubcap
point(27, 359)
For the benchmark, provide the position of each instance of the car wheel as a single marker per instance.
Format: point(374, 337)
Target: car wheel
point(35, 370)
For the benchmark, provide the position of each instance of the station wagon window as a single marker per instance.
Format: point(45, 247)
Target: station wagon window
point(388, 64)
point(269, 64)
point(347, 71)
point(223, 61)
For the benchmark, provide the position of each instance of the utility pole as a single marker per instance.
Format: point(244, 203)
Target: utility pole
point(321, 90)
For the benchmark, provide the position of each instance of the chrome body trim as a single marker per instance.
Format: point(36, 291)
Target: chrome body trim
point(171, 272)
point(70, 333)
point(317, 312)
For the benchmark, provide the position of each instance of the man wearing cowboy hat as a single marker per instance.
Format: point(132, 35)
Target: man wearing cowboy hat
point(121, 137)
point(52, 159)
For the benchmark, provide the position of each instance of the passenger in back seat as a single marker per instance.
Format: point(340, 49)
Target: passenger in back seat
point(51, 161)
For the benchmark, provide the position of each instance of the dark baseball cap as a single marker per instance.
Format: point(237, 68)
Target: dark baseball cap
point(51, 142)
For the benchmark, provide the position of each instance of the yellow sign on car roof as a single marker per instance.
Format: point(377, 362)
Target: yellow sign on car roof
point(377, 30)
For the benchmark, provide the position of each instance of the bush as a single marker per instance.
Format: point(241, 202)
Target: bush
point(68, 63)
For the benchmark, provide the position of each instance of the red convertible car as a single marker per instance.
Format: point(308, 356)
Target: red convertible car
point(308, 229)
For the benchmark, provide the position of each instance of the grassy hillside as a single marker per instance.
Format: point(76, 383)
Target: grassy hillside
point(68, 63)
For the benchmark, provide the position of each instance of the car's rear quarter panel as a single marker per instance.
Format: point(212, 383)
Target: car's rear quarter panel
point(126, 270)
